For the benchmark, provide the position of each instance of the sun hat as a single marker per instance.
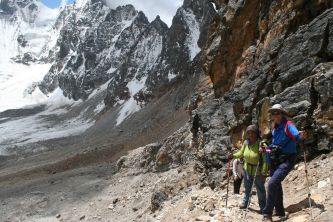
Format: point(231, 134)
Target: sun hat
point(278, 108)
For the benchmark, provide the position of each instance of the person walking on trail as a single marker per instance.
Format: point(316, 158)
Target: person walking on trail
point(282, 155)
point(250, 153)
point(238, 173)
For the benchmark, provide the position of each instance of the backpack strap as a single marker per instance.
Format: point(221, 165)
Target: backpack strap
point(273, 128)
point(288, 133)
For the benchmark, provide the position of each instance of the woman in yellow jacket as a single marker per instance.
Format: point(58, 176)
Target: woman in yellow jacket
point(251, 155)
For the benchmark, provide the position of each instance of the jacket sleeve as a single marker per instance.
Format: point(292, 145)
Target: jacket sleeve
point(240, 153)
point(294, 131)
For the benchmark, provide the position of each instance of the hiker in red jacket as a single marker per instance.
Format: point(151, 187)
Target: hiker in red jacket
point(282, 156)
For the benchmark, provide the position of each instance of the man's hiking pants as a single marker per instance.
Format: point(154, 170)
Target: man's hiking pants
point(274, 190)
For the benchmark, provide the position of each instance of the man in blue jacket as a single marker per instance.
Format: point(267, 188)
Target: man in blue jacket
point(282, 156)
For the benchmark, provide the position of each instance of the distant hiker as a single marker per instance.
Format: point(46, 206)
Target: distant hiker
point(238, 173)
point(282, 155)
point(250, 153)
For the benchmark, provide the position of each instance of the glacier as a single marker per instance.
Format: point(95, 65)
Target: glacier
point(15, 78)
point(19, 79)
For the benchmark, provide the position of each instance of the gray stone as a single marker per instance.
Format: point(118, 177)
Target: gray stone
point(157, 200)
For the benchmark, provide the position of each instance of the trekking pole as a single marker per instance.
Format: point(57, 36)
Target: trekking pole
point(226, 201)
point(254, 178)
point(307, 179)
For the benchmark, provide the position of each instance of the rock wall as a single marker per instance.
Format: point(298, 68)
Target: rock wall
point(260, 53)
point(265, 52)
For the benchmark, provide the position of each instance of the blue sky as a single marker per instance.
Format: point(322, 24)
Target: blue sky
point(54, 3)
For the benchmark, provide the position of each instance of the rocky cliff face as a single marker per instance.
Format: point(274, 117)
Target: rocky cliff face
point(265, 52)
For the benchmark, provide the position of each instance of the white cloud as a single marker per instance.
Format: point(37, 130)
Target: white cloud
point(166, 9)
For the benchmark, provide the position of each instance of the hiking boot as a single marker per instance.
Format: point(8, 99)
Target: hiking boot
point(279, 214)
point(267, 219)
point(283, 216)
point(242, 206)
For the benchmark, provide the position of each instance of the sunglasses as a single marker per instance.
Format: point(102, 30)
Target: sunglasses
point(275, 113)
